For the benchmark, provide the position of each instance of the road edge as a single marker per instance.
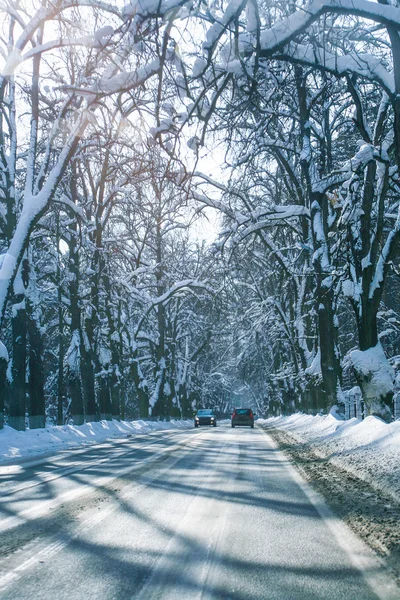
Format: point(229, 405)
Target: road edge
point(373, 568)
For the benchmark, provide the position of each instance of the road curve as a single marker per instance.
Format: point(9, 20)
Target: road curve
point(208, 513)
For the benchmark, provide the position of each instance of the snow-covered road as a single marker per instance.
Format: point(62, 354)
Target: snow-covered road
point(208, 513)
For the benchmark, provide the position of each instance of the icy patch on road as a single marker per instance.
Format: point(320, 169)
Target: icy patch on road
point(369, 449)
point(36, 442)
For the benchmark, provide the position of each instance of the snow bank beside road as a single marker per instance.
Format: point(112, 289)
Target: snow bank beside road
point(369, 449)
point(36, 442)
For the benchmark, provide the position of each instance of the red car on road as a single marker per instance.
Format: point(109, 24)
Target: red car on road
point(242, 416)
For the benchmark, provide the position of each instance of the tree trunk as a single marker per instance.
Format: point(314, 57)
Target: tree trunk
point(330, 361)
point(115, 389)
point(373, 372)
point(116, 347)
point(104, 400)
point(330, 364)
point(37, 414)
point(18, 370)
point(74, 378)
point(104, 393)
point(3, 371)
point(74, 362)
point(159, 408)
point(367, 324)
point(76, 404)
point(184, 400)
point(89, 394)
point(61, 351)
point(375, 377)
point(143, 405)
point(122, 401)
point(141, 386)
point(61, 348)
point(74, 381)
point(378, 398)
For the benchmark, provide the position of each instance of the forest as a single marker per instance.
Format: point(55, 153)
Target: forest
point(126, 130)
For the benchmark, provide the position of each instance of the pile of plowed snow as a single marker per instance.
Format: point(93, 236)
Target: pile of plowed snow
point(36, 442)
point(369, 449)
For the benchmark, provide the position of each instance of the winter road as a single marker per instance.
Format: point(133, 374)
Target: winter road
point(211, 513)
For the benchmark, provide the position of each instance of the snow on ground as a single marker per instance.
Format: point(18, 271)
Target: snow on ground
point(369, 449)
point(32, 443)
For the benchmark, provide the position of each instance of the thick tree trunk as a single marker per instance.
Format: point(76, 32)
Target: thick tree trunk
point(367, 326)
point(37, 415)
point(61, 346)
point(104, 394)
point(122, 402)
point(184, 400)
point(143, 405)
point(115, 389)
point(116, 353)
point(141, 387)
point(378, 398)
point(373, 373)
point(18, 370)
point(74, 383)
point(76, 404)
point(159, 407)
point(327, 331)
point(74, 363)
point(375, 377)
point(330, 363)
point(89, 394)
point(61, 351)
point(309, 399)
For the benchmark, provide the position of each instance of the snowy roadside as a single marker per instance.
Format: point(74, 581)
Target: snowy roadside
point(355, 465)
point(369, 449)
point(33, 443)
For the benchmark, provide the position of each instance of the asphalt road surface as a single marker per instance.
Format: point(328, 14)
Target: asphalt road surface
point(210, 513)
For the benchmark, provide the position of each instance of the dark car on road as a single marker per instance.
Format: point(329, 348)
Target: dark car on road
point(205, 416)
point(242, 416)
